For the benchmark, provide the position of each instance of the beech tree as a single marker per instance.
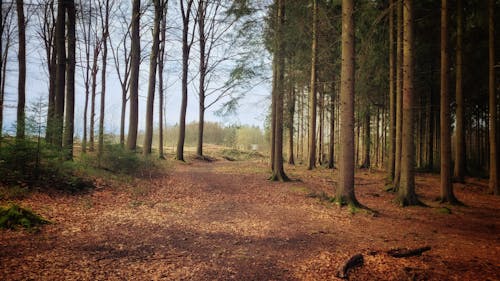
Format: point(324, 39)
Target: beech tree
point(69, 112)
point(21, 58)
point(312, 91)
point(494, 184)
point(135, 61)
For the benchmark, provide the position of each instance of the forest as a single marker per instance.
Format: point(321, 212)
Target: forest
point(249, 140)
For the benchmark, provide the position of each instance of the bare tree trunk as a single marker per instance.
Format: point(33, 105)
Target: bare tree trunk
point(321, 125)
point(21, 85)
point(186, 46)
point(366, 138)
point(392, 97)
point(155, 48)
point(161, 89)
point(135, 61)
point(86, 37)
point(407, 195)
point(460, 157)
point(69, 121)
point(399, 86)
point(95, 70)
point(290, 115)
point(105, 35)
point(447, 194)
point(331, 146)
point(60, 73)
point(278, 171)
point(345, 190)
point(312, 93)
point(202, 72)
point(494, 182)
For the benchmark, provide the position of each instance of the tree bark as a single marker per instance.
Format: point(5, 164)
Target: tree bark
point(313, 89)
point(69, 119)
point(331, 145)
point(460, 158)
point(345, 191)
point(366, 138)
point(447, 194)
point(105, 35)
point(153, 63)
point(185, 68)
point(21, 85)
point(278, 170)
point(60, 73)
point(407, 195)
point(95, 70)
point(392, 98)
point(161, 89)
point(202, 73)
point(135, 61)
point(399, 86)
point(290, 115)
point(494, 185)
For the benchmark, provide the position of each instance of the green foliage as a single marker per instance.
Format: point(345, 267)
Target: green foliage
point(444, 210)
point(13, 216)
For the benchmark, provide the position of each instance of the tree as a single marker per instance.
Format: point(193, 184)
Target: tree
point(345, 190)
point(21, 86)
point(459, 168)
point(186, 48)
point(407, 195)
point(278, 170)
point(70, 82)
point(86, 41)
point(60, 74)
point(447, 194)
point(161, 59)
point(6, 32)
point(399, 87)
point(312, 93)
point(392, 97)
point(494, 184)
point(153, 63)
point(135, 61)
point(104, 40)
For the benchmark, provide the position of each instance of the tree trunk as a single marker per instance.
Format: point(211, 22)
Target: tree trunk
point(331, 145)
point(135, 52)
point(95, 70)
point(185, 65)
point(460, 157)
point(60, 73)
point(202, 73)
point(407, 195)
point(493, 182)
point(366, 138)
point(290, 115)
point(161, 89)
point(21, 85)
point(345, 190)
point(87, 38)
point(105, 35)
point(69, 121)
point(278, 171)
point(447, 194)
point(153, 60)
point(321, 132)
point(313, 89)
point(399, 86)
point(392, 98)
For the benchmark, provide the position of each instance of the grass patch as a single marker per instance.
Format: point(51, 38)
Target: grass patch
point(444, 210)
point(240, 155)
point(13, 216)
point(300, 189)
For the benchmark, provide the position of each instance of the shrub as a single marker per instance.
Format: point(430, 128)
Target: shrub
point(13, 216)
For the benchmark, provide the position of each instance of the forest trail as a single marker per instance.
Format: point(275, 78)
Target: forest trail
point(225, 221)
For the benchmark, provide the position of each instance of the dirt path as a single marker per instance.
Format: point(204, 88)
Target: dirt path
point(224, 220)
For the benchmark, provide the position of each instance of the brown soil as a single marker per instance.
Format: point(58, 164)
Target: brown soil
point(225, 221)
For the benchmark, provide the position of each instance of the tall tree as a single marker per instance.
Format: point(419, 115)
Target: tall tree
point(345, 190)
point(459, 168)
point(494, 184)
point(6, 32)
point(278, 170)
point(21, 85)
point(153, 64)
point(69, 121)
point(331, 145)
point(161, 60)
point(399, 87)
point(135, 61)
point(86, 41)
point(312, 94)
point(392, 97)
point(104, 40)
point(447, 194)
point(407, 195)
point(60, 74)
point(186, 48)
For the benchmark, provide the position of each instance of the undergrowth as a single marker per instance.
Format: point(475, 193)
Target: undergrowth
point(14, 216)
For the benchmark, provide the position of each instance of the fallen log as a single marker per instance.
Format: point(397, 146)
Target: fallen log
point(354, 261)
point(404, 253)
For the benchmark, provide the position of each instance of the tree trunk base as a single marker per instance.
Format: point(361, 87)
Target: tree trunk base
point(354, 261)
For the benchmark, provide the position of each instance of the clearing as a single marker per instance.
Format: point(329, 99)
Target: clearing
point(224, 220)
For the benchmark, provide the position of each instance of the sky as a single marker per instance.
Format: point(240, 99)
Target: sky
point(252, 108)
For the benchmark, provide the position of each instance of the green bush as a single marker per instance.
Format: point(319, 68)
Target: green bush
point(13, 216)
point(118, 159)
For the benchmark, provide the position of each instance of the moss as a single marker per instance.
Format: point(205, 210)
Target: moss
point(14, 216)
point(444, 210)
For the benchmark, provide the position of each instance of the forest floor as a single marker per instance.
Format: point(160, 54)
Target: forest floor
point(224, 220)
